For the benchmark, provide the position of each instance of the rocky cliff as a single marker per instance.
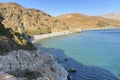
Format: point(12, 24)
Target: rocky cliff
point(25, 65)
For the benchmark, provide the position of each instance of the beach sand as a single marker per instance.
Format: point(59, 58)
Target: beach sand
point(39, 37)
point(53, 34)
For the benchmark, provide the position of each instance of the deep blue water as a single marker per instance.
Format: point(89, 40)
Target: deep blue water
point(95, 54)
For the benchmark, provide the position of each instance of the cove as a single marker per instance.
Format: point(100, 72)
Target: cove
point(95, 53)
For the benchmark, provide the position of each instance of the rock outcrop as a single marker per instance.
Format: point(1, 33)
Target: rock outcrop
point(26, 65)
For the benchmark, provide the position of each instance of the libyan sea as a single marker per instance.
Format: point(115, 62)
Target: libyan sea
point(95, 54)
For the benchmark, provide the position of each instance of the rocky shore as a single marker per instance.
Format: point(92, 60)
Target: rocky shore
point(30, 65)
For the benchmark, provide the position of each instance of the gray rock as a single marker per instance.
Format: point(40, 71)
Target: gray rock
point(39, 66)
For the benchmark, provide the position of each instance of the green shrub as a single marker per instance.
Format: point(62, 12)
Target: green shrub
point(102, 24)
point(44, 30)
point(40, 30)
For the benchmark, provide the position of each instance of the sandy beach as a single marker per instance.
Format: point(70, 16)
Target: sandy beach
point(39, 37)
point(53, 34)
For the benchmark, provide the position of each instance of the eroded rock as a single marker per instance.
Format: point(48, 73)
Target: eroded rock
point(33, 65)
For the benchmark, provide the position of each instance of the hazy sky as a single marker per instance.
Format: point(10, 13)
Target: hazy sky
point(58, 7)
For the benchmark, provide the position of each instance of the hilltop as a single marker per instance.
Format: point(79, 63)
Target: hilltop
point(30, 21)
point(111, 16)
point(88, 22)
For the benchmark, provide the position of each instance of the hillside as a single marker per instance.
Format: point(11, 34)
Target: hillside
point(31, 21)
point(88, 22)
point(10, 40)
point(111, 16)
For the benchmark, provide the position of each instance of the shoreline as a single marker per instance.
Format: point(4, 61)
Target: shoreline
point(40, 37)
point(65, 59)
point(105, 28)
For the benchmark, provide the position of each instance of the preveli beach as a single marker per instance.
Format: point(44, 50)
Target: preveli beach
point(59, 40)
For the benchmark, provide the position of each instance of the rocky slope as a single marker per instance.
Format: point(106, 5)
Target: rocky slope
point(87, 22)
point(26, 65)
point(111, 16)
point(10, 40)
point(31, 21)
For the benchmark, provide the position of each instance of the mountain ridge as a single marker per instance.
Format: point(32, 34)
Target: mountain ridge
point(88, 22)
point(115, 16)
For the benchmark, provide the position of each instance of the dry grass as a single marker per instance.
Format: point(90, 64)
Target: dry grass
point(88, 22)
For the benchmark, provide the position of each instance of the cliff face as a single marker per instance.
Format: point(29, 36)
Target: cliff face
point(31, 21)
point(88, 22)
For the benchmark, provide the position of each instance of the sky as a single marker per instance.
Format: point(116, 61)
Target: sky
point(59, 7)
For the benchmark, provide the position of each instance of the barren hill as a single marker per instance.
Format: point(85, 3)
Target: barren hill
point(112, 16)
point(88, 22)
point(31, 21)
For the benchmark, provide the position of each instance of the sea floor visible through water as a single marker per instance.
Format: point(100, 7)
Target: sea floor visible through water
point(95, 54)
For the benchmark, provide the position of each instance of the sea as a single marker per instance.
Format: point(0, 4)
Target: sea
point(94, 54)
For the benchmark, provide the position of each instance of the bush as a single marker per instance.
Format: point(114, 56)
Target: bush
point(44, 30)
point(102, 24)
point(40, 30)
point(4, 47)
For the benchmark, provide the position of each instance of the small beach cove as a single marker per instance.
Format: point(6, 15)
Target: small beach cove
point(90, 50)
point(36, 38)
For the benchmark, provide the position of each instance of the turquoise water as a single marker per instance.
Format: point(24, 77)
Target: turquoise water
point(98, 48)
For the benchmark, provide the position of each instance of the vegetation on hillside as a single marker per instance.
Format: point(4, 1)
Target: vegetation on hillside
point(10, 40)
point(40, 30)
